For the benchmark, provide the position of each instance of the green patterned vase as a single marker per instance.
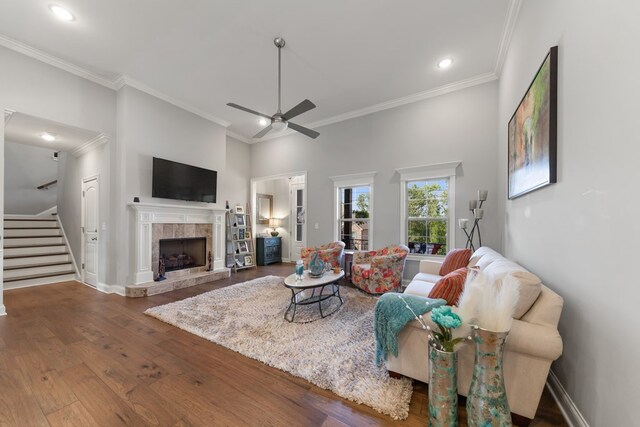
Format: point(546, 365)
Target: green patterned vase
point(487, 404)
point(443, 390)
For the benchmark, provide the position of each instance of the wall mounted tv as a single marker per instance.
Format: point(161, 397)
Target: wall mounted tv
point(173, 180)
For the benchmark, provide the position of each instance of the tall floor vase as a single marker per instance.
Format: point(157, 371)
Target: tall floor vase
point(443, 390)
point(487, 404)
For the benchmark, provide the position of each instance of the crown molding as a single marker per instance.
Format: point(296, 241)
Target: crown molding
point(507, 33)
point(240, 137)
point(420, 96)
point(114, 84)
point(124, 80)
point(90, 145)
point(7, 116)
point(41, 56)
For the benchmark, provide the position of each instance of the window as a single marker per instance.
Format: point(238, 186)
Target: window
point(353, 222)
point(427, 216)
point(427, 208)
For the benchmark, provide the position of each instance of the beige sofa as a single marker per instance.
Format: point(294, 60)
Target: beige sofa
point(533, 343)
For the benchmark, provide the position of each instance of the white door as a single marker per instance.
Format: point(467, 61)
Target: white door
point(298, 219)
point(90, 192)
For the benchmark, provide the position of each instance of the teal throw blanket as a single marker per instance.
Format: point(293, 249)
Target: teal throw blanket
point(391, 315)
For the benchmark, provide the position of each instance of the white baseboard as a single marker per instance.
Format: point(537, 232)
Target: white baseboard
point(3, 311)
point(569, 409)
point(111, 289)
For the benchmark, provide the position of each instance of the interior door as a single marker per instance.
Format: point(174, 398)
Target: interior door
point(90, 193)
point(299, 217)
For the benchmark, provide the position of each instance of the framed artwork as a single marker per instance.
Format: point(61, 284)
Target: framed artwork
point(264, 203)
point(248, 260)
point(240, 220)
point(247, 235)
point(241, 234)
point(239, 209)
point(532, 140)
point(242, 247)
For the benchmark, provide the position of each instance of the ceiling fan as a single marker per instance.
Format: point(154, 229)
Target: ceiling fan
point(279, 121)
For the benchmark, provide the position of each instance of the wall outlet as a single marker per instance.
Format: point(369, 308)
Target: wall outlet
point(316, 226)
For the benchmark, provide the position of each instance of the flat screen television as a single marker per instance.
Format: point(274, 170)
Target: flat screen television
point(173, 180)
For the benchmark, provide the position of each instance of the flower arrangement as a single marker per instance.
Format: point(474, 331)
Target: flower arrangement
point(446, 320)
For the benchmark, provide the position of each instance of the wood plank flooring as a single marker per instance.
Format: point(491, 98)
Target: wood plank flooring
point(72, 356)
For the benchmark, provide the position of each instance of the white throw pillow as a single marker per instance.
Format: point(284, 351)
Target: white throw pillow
point(530, 284)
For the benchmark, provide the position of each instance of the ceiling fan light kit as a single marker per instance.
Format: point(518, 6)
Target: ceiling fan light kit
point(279, 122)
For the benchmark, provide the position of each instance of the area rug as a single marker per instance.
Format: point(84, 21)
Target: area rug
point(336, 353)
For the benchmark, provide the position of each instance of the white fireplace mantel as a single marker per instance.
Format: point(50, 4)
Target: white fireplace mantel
point(147, 214)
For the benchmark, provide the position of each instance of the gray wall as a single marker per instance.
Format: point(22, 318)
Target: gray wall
point(71, 172)
point(580, 235)
point(26, 168)
point(149, 127)
point(456, 126)
point(32, 87)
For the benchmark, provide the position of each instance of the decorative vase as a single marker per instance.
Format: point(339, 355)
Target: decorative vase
point(487, 404)
point(316, 265)
point(443, 390)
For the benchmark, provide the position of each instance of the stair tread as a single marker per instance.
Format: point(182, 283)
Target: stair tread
point(38, 276)
point(43, 245)
point(30, 219)
point(31, 228)
point(44, 264)
point(35, 255)
point(32, 237)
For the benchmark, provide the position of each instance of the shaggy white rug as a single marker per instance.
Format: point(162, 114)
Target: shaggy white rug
point(336, 353)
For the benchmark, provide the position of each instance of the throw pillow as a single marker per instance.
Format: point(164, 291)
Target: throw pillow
point(530, 284)
point(454, 260)
point(450, 287)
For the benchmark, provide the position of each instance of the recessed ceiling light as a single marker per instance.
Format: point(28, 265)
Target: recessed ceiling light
point(49, 137)
point(445, 63)
point(263, 122)
point(62, 13)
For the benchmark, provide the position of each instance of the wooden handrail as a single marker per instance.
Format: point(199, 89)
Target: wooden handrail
point(47, 185)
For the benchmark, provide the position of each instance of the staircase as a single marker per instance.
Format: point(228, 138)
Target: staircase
point(35, 253)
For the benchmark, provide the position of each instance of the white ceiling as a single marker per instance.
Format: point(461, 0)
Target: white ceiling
point(345, 56)
point(26, 129)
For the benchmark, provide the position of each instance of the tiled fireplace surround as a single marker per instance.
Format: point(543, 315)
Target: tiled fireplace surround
point(177, 231)
point(154, 221)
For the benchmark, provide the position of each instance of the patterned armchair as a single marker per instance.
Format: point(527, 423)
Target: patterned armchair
point(331, 252)
point(377, 272)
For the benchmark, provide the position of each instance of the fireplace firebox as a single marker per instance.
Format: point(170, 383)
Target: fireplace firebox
point(182, 253)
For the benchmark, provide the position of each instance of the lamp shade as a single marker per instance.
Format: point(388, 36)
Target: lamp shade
point(274, 222)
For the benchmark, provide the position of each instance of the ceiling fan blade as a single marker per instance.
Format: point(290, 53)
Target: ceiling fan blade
point(248, 110)
point(305, 131)
point(263, 132)
point(303, 107)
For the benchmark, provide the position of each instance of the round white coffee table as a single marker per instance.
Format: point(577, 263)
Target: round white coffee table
point(317, 285)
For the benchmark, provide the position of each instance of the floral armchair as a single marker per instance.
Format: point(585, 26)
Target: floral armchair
point(331, 252)
point(377, 272)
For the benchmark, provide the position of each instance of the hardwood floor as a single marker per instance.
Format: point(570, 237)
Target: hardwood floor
point(72, 356)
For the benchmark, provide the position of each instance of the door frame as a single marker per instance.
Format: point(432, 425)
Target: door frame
point(254, 209)
point(82, 239)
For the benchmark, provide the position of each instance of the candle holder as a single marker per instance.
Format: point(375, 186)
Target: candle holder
point(475, 206)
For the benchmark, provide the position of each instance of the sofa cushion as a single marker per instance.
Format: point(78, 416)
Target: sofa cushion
point(484, 256)
point(419, 288)
point(530, 284)
point(426, 277)
point(450, 287)
point(455, 259)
